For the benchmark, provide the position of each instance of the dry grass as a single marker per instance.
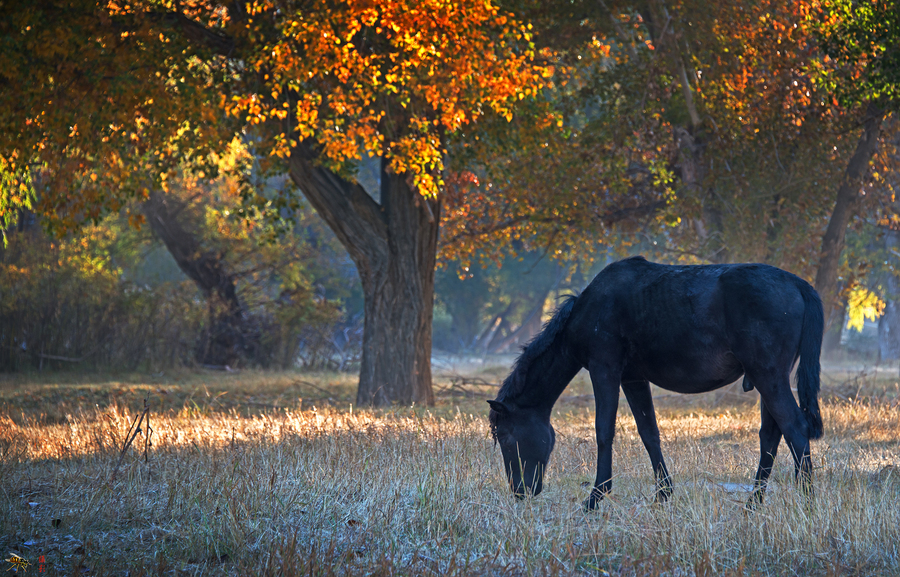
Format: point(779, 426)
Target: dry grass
point(254, 482)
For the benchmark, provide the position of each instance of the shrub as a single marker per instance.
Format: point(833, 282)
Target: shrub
point(63, 303)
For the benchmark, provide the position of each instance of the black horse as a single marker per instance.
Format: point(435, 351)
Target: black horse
point(688, 329)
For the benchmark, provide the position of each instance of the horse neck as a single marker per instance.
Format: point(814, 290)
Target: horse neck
point(547, 376)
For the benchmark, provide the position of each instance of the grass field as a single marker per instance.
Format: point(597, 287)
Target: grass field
point(277, 474)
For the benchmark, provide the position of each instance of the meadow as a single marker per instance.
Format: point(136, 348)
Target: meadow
point(276, 473)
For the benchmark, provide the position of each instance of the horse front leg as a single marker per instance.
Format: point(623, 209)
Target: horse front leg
point(606, 400)
point(641, 402)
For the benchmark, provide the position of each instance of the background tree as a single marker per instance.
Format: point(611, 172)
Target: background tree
point(316, 84)
point(498, 307)
point(392, 80)
point(719, 126)
point(862, 67)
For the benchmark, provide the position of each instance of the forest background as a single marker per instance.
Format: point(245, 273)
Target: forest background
point(279, 183)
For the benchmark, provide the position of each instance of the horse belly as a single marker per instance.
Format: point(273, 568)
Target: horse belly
point(690, 371)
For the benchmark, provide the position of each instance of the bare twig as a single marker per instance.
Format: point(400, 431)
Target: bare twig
point(133, 431)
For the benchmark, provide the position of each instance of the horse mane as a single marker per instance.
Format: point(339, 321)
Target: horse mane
point(515, 382)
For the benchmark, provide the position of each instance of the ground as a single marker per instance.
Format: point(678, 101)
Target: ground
point(278, 474)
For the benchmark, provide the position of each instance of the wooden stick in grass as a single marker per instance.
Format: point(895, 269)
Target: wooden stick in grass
point(133, 431)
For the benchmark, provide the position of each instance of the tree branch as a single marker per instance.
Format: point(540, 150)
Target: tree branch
point(216, 41)
point(357, 220)
point(844, 207)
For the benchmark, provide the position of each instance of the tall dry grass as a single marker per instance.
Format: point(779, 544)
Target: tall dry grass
point(338, 491)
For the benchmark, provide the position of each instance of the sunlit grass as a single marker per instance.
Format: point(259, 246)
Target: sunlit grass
point(315, 487)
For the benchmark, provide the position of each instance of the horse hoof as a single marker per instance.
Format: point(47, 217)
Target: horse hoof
point(663, 493)
point(755, 501)
point(592, 503)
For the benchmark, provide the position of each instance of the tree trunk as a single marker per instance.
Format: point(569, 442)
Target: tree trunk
point(889, 332)
point(228, 333)
point(531, 325)
point(844, 208)
point(831, 340)
point(889, 323)
point(393, 242)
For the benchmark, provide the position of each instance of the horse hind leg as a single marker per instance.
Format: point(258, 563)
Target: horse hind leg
point(769, 438)
point(641, 402)
point(782, 406)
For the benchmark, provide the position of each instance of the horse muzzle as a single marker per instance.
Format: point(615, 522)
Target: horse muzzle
point(521, 489)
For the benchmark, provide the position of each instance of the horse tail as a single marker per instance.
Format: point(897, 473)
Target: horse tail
point(810, 349)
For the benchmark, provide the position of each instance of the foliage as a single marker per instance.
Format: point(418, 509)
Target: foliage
point(90, 301)
point(702, 131)
point(861, 42)
point(125, 96)
point(574, 170)
point(778, 139)
point(16, 194)
point(391, 79)
point(102, 100)
point(64, 303)
point(695, 125)
point(862, 304)
point(293, 283)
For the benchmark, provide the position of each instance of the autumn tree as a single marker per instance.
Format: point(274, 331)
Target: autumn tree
point(128, 93)
point(861, 43)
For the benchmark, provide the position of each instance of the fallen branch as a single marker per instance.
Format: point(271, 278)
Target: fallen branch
point(225, 368)
point(316, 387)
point(64, 359)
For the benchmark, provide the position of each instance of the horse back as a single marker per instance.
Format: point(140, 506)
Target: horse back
point(689, 328)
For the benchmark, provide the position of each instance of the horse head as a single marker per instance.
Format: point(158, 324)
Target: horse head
point(526, 440)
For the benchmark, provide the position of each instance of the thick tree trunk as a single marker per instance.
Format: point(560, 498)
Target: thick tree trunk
point(394, 244)
point(844, 208)
point(228, 333)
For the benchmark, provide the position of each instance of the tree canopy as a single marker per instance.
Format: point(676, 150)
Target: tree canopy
point(384, 79)
point(100, 101)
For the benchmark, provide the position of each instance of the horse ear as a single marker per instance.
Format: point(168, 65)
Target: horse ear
point(499, 407)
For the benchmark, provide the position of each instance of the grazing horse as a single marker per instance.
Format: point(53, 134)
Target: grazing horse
point(688, 329)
